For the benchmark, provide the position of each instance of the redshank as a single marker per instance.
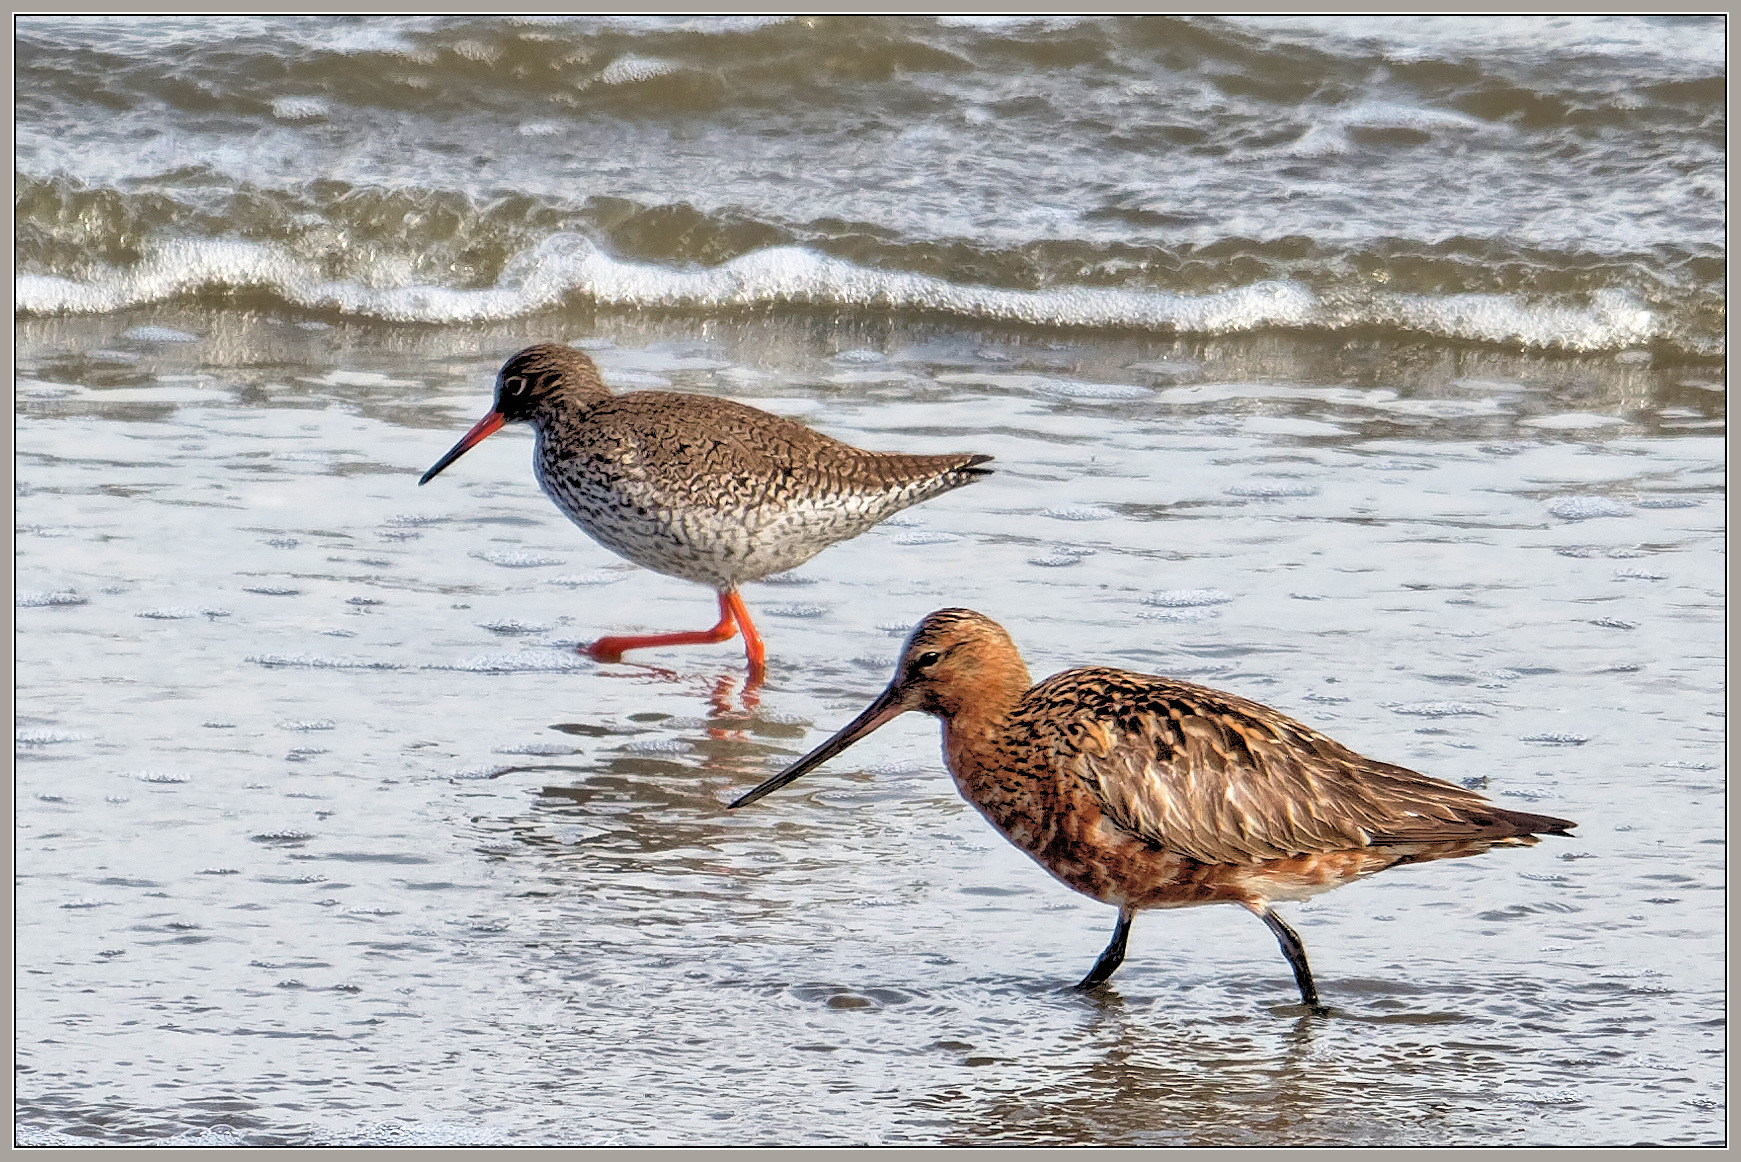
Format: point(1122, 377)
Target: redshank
point(701, 488)
point(1148, 792)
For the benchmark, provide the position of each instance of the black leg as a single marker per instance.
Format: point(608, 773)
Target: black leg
point(1114, 954)
point(1296, 954)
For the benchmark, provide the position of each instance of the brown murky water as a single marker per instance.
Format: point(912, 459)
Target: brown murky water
point(325, 833)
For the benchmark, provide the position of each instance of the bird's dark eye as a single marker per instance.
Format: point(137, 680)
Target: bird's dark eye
point(513, 385)
point(929, 658)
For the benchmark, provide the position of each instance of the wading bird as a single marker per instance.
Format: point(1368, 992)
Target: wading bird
point(1146, 792)
point(701, 488)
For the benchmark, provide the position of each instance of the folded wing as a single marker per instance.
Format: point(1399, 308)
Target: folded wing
point(1222, 779)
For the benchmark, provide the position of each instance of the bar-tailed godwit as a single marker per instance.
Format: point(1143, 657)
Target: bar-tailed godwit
point(1147, 792)
point(701, 488)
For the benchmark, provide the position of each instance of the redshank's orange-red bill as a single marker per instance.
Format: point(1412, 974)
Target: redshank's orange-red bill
point(484, 427)
point(706, 489)
point(1147, 792)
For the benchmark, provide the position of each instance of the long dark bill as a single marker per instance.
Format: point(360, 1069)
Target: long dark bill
point(887, 706)
point(466, 442)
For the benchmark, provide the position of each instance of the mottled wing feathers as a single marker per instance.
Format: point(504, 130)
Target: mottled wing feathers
point(1222, 779)
point(728, 449)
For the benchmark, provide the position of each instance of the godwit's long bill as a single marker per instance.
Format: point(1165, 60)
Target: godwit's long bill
point(1146, 792)
point(706, 489)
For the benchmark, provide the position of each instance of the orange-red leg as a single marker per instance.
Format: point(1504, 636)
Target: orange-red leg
point(754, 650)
point(610, 649)
point(732, 617)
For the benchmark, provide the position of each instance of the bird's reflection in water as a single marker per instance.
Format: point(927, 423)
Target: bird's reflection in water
point(1216, 1068)
point(656, 783)
point(725, 714)
point(719, 697)
point(1129, 1074)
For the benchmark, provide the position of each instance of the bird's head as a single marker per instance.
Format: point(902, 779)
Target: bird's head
point(546, 374)
point(953, 659)
point(537, 381)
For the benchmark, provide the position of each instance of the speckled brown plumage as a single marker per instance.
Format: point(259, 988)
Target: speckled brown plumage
point(1148, 792)
point(706, 489)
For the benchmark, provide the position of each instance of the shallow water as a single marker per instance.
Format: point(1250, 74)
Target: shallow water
point(326, 835)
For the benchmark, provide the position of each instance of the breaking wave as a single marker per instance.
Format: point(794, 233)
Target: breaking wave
point(570, 268)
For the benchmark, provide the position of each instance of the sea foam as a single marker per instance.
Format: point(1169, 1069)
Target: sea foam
point(568, 264)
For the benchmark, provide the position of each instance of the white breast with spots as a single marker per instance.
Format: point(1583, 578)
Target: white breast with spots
point(718, 541)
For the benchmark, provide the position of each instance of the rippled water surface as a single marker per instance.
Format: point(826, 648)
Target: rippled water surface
point(1553, 182)
point(1371, 369)
point(326, 834)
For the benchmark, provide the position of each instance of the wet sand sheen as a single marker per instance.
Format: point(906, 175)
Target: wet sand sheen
point(314, 790)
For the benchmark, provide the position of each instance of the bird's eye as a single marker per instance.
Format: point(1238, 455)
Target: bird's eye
point(929, 658)
point(513, 385)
